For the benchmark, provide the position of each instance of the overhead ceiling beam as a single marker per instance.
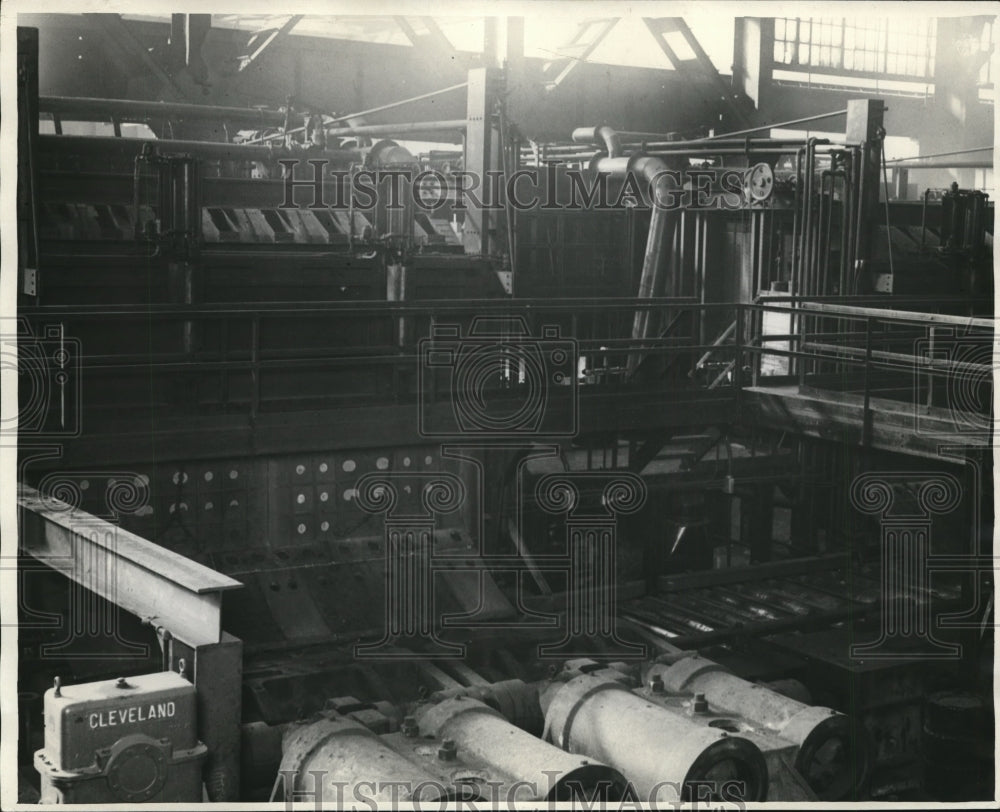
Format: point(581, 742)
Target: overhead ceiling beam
point(274, 36)
point(584, 41)
point(699, 67)
point(433, 37)
point(120, 36)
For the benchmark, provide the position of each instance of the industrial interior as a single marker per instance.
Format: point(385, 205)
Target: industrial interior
point(683, 493)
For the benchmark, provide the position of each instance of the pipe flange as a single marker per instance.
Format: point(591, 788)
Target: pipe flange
point(676, 677)
point(433, 719)
point(301, 742)
point(822, 733)
point(137, 768)
point(561, 701)
point(751, 768)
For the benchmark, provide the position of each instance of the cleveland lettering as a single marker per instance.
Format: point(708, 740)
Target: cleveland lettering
point(137, 713)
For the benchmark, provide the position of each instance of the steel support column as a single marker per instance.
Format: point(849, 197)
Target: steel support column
point(481, 146)
point(864, 126)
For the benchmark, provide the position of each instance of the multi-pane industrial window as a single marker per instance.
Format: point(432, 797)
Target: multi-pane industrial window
point(897, 47)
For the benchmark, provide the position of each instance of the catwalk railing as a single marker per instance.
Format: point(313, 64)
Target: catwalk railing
point(257, 358)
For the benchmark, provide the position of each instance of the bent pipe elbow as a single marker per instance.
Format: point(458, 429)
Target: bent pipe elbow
point(653, 172)
point(602, 136)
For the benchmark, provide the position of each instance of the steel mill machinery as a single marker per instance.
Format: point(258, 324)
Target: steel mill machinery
point(485, 501)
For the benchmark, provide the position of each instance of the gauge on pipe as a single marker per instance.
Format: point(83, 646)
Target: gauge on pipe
point(758, 183)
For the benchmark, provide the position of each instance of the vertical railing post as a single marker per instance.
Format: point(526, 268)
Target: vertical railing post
point(738, 360)
point(800, 351)
point(930, 370)
point(224, 383)
point(255, 364)
point(866, 415)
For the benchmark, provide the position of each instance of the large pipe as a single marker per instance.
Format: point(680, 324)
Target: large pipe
point(745, 144)
point(485, 735)
point(213, 150)
point(451, 125)
point(651, 746)
point(362, 113)
point(329, 758)
point(650, 170)
point(397, 222)
point(831, 757)
point(86, 109)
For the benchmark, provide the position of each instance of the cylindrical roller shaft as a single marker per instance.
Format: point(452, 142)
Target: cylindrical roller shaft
point(331, 760)
point(659, 752)
point(833, 757)
point(481, 733)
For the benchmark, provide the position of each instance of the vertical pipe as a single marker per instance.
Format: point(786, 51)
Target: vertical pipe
point(845, 211)
point(859, 225)
point(703, 260)
point(761, 278)
point(806, 290)
point(793, 269)
point(650, 276)
point(680, 240)
point(923, 220)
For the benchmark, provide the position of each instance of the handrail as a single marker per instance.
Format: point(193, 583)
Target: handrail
point(909, 316)
point(888, 340)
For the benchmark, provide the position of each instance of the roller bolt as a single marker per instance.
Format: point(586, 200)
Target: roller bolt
point(122, 683)
point(409, 727)
point(448, 751)
point(656, 684)
point(57, 687)
point(700, 704)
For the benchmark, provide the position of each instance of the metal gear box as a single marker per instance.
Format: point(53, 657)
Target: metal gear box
point(121, 741)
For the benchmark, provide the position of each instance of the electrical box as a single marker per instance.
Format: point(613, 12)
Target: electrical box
point(129, 740)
